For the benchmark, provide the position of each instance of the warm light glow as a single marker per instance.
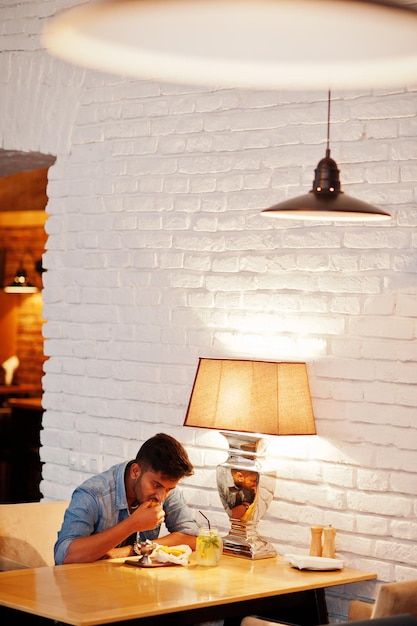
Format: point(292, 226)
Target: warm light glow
point(21, 289)
point(341, 208)
point(324, 215)
point(295, 44)
point(266, 341)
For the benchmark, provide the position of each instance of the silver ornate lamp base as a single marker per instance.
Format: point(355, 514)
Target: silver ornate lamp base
point(246, 488)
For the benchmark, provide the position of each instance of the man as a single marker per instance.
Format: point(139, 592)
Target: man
point(108, 510)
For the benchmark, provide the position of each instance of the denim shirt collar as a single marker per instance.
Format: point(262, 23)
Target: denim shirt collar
point(121, 498)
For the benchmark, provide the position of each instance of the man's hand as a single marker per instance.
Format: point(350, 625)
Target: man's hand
point(148, 515)
point(117, 553)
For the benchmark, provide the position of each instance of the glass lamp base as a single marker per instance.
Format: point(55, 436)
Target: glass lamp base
point(246, 487)
point(244, 541)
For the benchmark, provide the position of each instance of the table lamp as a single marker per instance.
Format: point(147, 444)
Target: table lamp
point(244, 400)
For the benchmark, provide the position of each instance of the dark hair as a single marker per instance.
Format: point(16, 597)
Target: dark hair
point(164, 454)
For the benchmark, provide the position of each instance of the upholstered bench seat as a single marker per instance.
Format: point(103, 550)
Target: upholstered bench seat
point(28, 532)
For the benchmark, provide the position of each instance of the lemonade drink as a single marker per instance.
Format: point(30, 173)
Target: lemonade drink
point(209, 547)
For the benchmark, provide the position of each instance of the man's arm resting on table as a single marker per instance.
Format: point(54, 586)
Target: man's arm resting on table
point(99, 545)
point(176, 539)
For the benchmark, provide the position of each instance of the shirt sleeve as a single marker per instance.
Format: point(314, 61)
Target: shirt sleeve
point(80, 520)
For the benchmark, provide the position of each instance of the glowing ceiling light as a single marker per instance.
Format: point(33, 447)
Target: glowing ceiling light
point(261, 44)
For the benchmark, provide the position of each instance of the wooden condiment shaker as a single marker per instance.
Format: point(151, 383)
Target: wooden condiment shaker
point(315, 545)
point(329, 534)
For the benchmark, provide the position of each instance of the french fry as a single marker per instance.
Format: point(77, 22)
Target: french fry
point(175, 551)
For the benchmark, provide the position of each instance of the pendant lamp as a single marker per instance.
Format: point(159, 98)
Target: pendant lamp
point(326, 201)
point(259, 44)
point(20, 283)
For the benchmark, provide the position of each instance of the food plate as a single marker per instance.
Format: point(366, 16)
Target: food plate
point(318, 563)
point(137, 563)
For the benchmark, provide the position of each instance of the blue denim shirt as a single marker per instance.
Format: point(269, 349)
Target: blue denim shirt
point(100, 503)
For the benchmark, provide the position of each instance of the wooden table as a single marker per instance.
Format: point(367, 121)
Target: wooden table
point(108, 592)
point(28, 404)
point(15, 391)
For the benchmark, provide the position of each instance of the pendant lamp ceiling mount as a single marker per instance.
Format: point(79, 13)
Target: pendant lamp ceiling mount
point(326, 200)
point(326, 180)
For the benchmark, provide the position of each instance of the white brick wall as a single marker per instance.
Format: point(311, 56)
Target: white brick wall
point(157, 254)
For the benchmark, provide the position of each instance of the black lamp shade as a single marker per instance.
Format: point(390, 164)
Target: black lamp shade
point(326, 200)
point(20, 284)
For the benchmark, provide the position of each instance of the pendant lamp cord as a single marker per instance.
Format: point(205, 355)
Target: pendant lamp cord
point(328, 126)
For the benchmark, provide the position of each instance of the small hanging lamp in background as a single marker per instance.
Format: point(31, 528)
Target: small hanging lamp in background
point(326, 201)
point(20, 283)
point(255, 44)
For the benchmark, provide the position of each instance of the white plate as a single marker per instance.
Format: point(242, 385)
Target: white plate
point(313, 562)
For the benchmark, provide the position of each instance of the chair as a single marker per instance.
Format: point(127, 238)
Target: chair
point(392, 620)
point(392, 599)
point(251, 620)
point(28, 532)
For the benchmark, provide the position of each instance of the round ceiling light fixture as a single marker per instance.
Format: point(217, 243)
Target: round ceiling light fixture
point(257, 44)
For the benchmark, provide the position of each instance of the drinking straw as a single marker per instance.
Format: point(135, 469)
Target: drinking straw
point(206, 518)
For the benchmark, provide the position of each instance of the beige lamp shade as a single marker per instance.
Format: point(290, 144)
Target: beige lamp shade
point(251, 396)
